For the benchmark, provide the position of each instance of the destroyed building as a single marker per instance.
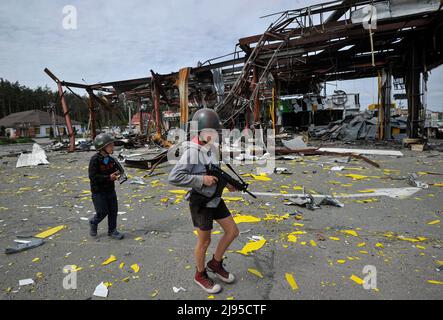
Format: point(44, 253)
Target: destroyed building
point(277, 78)
point(434, 124)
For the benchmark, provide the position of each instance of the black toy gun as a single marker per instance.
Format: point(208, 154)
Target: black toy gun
point(225, 179)
point(122, 176)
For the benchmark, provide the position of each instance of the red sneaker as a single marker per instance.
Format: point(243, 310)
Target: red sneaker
point(217, 267)
point(206, 283)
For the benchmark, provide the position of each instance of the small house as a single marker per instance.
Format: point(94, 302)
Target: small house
point(36, 124)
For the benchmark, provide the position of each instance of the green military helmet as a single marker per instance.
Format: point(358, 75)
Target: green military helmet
point(207, 119)
point(102, 140)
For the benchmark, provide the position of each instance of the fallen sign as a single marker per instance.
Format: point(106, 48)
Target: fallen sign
point(382, 192)
point(38, 156)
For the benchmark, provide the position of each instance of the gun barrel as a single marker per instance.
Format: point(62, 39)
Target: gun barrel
point(251, 194)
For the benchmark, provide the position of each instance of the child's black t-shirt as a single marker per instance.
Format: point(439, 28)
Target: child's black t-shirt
point(100, 169)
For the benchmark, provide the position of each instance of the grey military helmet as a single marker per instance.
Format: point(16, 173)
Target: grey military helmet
point(102, 140)
point(207, 119)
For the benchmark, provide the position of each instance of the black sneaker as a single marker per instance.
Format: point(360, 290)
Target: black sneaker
point(116, 235)
point(93, 229)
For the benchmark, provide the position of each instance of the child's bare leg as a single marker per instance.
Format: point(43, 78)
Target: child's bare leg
point(203, 242)
point(230, 233)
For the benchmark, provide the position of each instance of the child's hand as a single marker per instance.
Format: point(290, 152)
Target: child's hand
point(114, 176)
point(209, 180)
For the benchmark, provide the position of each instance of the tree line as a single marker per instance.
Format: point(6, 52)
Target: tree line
point(15, 97)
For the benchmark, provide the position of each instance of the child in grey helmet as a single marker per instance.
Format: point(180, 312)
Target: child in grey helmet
point(205, 205)
point(102, 174)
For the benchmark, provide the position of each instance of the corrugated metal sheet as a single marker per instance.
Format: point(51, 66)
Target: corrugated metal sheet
point(398, 8)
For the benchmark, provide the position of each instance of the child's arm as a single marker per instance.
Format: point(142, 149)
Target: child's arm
point(181, 176)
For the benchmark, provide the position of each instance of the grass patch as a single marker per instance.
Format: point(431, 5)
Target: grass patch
point(5, 141)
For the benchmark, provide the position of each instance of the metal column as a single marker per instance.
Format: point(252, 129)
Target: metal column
point(91, 114)
point(256, 98)
point(156, 97)
point(413, 92)
point(386, 102)
point(65, 110)
point(140, 110)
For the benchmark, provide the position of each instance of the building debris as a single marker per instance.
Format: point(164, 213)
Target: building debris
point(36, 157)
point(377, 192)
point(253, 245)
point(50, 232)
point(178, 289)
point(111, 259)
point(375, 152)
point(145, 161)
point(309, 202)
point(415, 183)
point(281, 170)
point(25, 282)
point(135, 267)
point(329, 201)
point(361, 126)
point(349, 153)
point(275, 82)
point(292, 283)
point(101, 291)
point(23, 245)
point(137, 180)
point(296, 142)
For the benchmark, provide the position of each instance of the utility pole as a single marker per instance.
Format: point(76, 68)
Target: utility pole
point(51, 109)
point(128, 105)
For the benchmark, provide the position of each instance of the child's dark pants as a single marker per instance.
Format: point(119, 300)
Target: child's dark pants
point(105, 205)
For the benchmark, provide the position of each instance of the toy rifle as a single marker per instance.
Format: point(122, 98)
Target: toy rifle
point(224, 179)
point(122, 177)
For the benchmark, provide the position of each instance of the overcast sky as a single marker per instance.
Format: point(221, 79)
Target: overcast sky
point(117, 40)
